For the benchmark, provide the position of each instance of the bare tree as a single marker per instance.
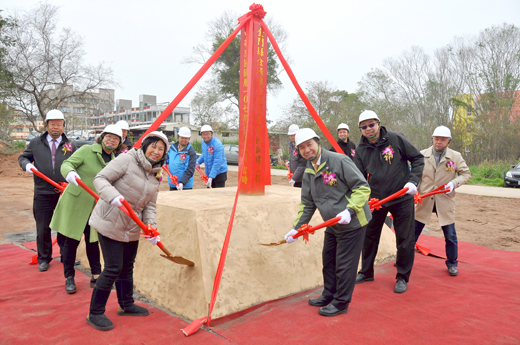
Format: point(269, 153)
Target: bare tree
point(45, 58)
point(206, 106)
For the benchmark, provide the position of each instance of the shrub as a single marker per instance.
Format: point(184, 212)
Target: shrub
point(489, 173)
point(197, 146)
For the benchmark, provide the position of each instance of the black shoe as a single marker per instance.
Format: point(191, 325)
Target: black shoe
point(93, 282)
point(453, 271)
point(70, 285)
point(100, 322)
point(361, 278)
point(44, 266)
point(400, 286)
point(320, 301)
point(331, 310)
point(133, 310)
point(76, 262)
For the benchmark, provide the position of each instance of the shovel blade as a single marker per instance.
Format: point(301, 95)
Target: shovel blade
point(179, 260)
point(272, 244)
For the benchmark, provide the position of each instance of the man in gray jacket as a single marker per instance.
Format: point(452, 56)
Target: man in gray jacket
point(296, 161)
point(333, 184)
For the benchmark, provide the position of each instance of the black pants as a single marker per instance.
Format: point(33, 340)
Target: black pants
point(219, 181)
point(68, 249)
point(404, 226)
point(298, 184)
point(43, 209)
point(341, 250)
point(175, 188)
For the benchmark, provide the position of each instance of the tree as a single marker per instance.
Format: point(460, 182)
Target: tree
point(6, 115)
point(206, 106)
point(226, 70)
point(46, 58)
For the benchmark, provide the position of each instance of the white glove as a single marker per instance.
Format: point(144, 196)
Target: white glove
point(197, 165)
point(209, 182)
point(154, 240)
point(345, 217)
point(71, 177)
point(180, 186)
point(115, 202)
point(289, 239)
point(412, 189)
point(28, 168)
point(292, 182)
point(450, 186)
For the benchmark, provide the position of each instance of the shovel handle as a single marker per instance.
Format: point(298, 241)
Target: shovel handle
point(329, 222)
point(388, 198)
point(174, 178)
point(85, 187)
point(56, 185)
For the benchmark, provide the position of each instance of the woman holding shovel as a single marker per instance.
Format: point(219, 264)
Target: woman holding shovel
point(71, 216)
point(133, 177)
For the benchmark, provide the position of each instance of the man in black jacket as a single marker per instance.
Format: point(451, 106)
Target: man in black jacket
point(382, 157)
point(347, 145)
point(296, 162)
point(47, 152)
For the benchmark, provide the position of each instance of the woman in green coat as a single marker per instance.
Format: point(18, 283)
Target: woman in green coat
point(71, 215)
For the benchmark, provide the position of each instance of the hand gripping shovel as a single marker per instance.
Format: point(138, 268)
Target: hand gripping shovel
point(59, 186)
point(305, 230)
point(203, 176)
point(289, 174)
point(177, 259)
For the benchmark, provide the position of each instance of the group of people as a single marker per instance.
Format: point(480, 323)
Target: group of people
point(116, 172)
point(340, 185)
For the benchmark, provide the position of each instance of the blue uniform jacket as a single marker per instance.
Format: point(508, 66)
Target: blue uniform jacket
point(213, 158)
point(182, 164)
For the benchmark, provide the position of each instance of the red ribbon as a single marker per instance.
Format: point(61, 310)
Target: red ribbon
point(174, 178)
point(203, 176)
point(439, 190)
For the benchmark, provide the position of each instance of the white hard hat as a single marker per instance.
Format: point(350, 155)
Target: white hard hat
point(367, 115)
point(184, 132)
point(206, 128)
point(161, 136)
point(343, 126)
point(293, 129)
point(123, 124)
point(304, 134)
point(113, 129)
point(442, 131)
point(54, 114)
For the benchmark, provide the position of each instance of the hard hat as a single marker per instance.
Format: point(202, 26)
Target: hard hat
point(161, 136)
point(113, 129)
point(343, 126)
point(184, 132)
point(367, 115)
point(442, 131)
point(54, 114)
point(206, 128)
point(293, 129)
point(123, 124)
point(304, 134)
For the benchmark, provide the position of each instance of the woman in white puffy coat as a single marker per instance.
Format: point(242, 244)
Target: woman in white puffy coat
point(134, 177)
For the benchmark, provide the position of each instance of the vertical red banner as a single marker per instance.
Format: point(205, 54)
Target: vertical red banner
point(253, 85)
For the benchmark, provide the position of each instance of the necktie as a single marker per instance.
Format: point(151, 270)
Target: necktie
point(316, 167)
point(54, 142)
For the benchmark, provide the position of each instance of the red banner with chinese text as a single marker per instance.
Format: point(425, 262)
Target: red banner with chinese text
point(253, 79)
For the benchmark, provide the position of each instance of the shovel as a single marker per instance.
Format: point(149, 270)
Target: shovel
point(439, 190)
point(203, 176)
point(174, 178)
point(177, 259)
point(375, 204)
point(305, 230)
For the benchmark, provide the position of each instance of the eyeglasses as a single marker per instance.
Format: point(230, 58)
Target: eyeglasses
point(370, 125)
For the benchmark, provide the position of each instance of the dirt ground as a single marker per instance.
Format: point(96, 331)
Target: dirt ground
point(487, 221)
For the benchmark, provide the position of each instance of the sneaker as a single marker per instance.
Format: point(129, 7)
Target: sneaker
point(400, 286)
point(453, 271)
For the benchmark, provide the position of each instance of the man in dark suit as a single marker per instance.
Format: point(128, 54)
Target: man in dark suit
point(45, 154)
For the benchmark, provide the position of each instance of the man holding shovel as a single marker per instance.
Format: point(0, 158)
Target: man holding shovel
point(442, 165)
point(382, 157)
point(47, 152)
point(332, 184)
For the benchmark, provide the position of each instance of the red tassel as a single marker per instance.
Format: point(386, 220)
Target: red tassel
point(194, 326)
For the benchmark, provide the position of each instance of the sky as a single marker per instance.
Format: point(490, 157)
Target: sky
point(144, 42)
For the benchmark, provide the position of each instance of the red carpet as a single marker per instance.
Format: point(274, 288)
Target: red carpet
point(480, 306)
point(32, 245)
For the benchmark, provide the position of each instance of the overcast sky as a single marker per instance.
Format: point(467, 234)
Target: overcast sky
point(337, 41)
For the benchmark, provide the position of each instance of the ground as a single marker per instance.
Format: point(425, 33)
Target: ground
point(487, 221)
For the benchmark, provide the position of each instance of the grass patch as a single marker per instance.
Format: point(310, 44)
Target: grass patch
point(281, 167)
point(489, 173)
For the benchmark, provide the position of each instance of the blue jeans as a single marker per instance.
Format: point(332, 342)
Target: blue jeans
point(450, 237)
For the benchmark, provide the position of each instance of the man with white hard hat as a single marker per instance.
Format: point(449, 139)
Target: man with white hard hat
point(333, 184)
point(296, 162)
point(442, 166)
point(347, 145)
point(46, 153)
point(126, 129)
point(383, 157)
point(213, 157)
point(181, 161)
